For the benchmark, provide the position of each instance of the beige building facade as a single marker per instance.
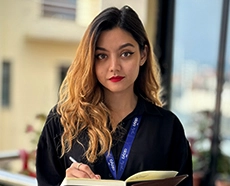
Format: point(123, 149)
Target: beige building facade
point(36, 47)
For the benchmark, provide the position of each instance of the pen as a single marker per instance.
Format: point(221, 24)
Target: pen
point(79, 164)
point(72, 159)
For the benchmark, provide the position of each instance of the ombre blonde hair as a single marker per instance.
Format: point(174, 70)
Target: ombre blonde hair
point(80, 104)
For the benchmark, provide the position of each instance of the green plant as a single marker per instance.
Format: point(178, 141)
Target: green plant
point(201, 146)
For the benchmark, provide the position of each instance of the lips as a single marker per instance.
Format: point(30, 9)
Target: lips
point(116, 78)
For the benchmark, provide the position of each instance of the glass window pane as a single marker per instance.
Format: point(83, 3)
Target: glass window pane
point(195, 57)
point(6, 83)
point(63, 9)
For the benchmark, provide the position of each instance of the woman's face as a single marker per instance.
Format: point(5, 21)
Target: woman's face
point(117, 60)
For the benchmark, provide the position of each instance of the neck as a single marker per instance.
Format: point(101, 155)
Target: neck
point(120, 105)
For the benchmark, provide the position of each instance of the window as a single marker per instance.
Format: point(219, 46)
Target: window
point(6, 68)
point(196, 42)
point(62, 73)
point(195, 77)
point(194, 84)
point(62, 9)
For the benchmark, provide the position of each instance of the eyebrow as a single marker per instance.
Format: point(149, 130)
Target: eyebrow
point(122, 46)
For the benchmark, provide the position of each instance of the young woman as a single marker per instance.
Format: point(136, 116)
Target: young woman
point(111, 91)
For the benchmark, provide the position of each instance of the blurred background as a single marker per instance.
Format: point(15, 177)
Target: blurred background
point(191, 39)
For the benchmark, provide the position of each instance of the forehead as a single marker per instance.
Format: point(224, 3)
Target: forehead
point(115, 36)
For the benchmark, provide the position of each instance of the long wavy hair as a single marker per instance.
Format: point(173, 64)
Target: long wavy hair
point(80, 104)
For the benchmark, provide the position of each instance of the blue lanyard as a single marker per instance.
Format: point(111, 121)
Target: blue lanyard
point(125, 151)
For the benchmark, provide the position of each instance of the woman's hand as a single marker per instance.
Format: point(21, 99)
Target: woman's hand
point(80, 170)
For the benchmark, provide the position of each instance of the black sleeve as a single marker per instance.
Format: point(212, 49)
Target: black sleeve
point(180, 153)
point(50, 168)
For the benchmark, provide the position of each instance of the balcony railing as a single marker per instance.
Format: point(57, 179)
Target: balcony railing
point(11, 179)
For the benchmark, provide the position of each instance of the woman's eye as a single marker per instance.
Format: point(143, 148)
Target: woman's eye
point(126, 54)
point(101, 56)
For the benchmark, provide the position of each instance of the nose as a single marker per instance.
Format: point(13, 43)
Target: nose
point(114, 64)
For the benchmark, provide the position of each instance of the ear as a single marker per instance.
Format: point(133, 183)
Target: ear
point(144, 55)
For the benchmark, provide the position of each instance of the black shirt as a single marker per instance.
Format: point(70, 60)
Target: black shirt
point(160, 144)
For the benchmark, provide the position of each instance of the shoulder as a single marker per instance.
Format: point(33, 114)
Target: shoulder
point(152, 109)
point(53, 116)
point(160, 116)
point(50, 137)
point(53, 125)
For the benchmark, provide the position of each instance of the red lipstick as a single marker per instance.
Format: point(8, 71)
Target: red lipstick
point(116, 78)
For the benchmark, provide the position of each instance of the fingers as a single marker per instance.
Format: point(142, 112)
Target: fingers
point(80, 170)
point(98, 176)
point(85, 169)
point(78, 167)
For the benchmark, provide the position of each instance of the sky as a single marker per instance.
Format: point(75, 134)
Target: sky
point(197, 30)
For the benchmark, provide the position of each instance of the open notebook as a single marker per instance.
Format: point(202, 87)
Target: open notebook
point(144, 178)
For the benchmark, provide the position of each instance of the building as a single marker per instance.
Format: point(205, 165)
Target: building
point(38, 40)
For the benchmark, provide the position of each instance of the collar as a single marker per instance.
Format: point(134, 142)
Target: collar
point(145, 107)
